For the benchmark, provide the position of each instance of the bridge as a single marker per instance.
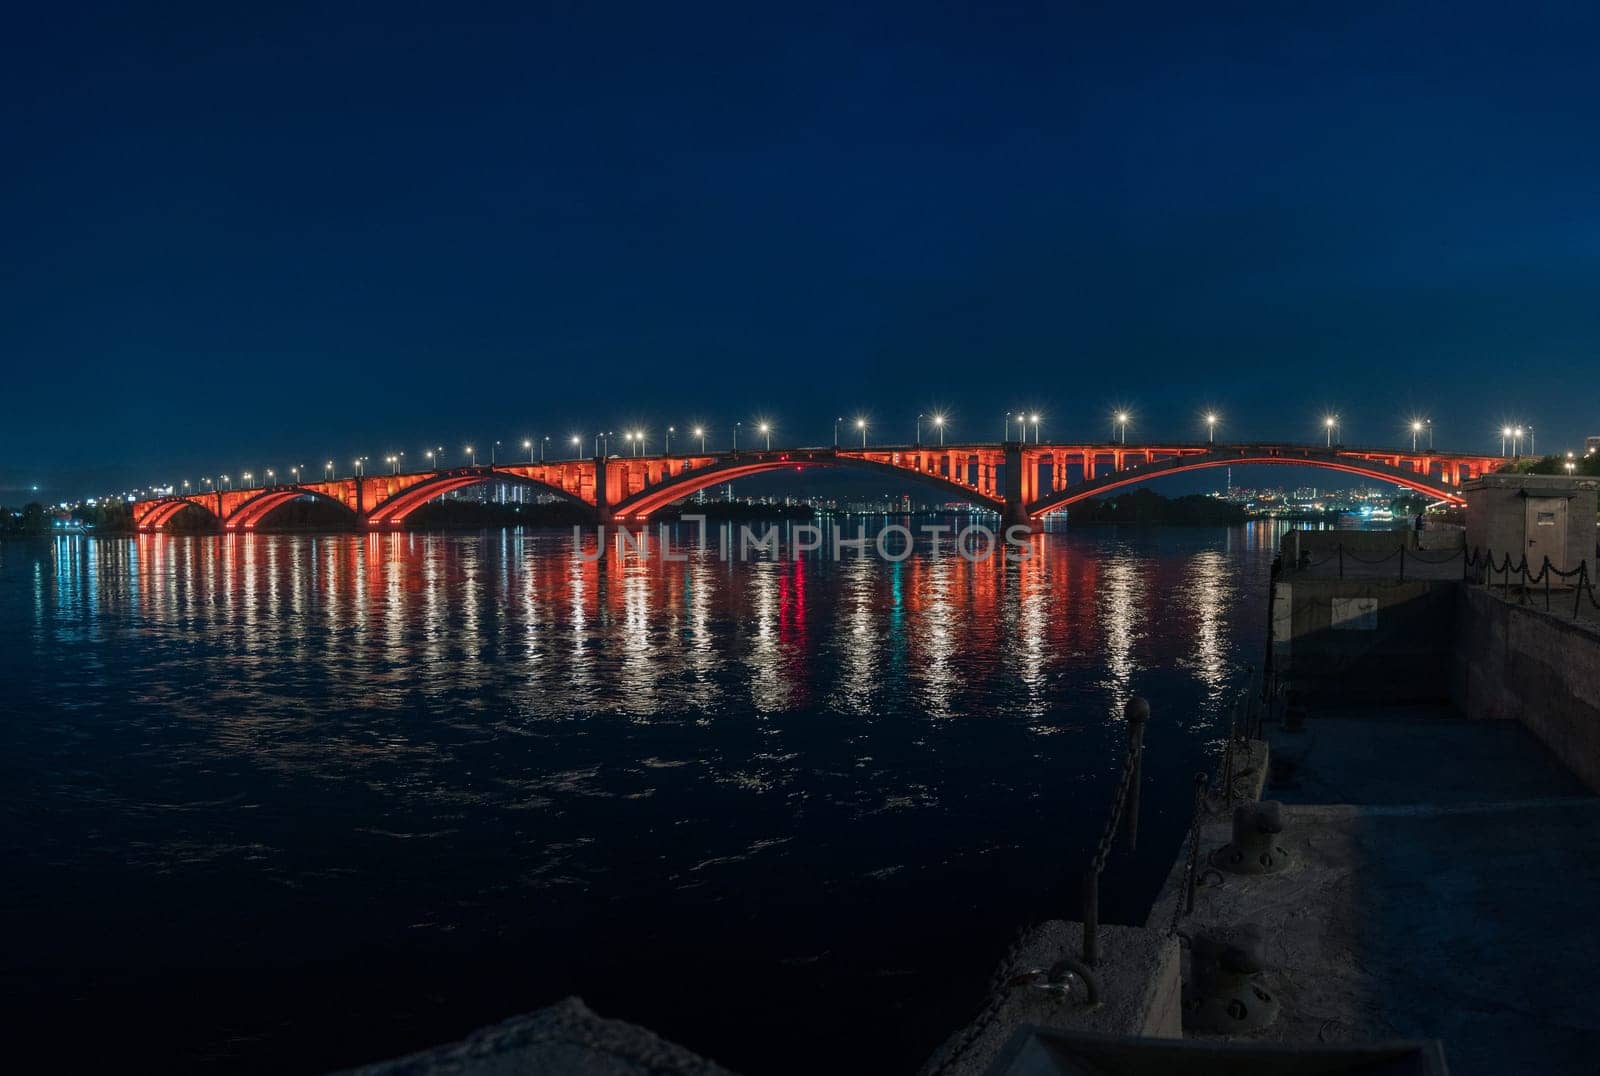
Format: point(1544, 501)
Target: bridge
point(1024, 482)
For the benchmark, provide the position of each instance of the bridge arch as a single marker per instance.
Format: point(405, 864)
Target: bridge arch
point(1332, 461)
point(250, 513)
point(165, 511)
point(393, 511)
point(643, 504)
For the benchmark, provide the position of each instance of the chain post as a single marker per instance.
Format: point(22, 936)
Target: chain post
point(1137, 712)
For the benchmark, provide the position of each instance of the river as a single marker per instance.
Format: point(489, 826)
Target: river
point(286, 802)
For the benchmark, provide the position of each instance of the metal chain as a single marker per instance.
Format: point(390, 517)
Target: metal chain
point(1102, 850)
point(1180, 904)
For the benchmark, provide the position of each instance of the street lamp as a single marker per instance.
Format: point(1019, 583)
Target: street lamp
point(1211, 428)
point(327, 470)
point(542, 445)
point(670, 431)
point(1034, 419)
point(528, 444)
point(918, 441)
point(1505, 435)
point(494, 453)
point(766, 431)
point(1122, 426)
point(227, 483)
point(836, 431)
point(473, 455)
point(1416, 428)
point(577, 444)
point(938, 421)
point(1516, 441)
point(1430, 434)
point(1532, 450)
point(246, 478)
point(861, 424)
point(700, 432)
point(736, 426)
point(1332, 424)
point(295, 471)
point(269, 477)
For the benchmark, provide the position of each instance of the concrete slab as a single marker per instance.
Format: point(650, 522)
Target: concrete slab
point(1411, 755)
point(563, 1038)
point(1466, 922)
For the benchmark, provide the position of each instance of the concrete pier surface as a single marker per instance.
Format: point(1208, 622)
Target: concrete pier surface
point(1443, 885)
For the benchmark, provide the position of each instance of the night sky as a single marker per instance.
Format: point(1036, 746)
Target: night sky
point(233, 239)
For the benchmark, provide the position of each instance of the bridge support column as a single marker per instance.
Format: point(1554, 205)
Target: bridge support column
point(602, 502)
point(1018, 489)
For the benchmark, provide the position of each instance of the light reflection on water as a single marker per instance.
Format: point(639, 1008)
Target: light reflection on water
point(499, 772)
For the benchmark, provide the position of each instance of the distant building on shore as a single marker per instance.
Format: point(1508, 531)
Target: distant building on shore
point(1591, 444)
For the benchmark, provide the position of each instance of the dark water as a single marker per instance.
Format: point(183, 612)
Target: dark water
point(286, 803)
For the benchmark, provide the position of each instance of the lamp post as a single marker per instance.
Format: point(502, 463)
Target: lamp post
point(577, 443)
point(918, 441)
point(295, 474)
point(736, 426)
point(1430, 434)
point(861, 424)
point(269, 477)
point(836, 431)
point(494, 453)
point(472, 454)
point(543, 444)
point(700, 432)
point(527, 443)
point(667, 451)
point(227, 482)
point(766, 431)
point(938, 422)
point(1211, 428)
point(1516, 441)
point(1532, 449)
point(1331, 423)
point(1122, 426)
point(1033, 419)
point(1416, 428)
point(1505, 436)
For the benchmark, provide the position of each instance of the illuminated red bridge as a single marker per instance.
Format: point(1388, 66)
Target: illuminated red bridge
point(1022, 482)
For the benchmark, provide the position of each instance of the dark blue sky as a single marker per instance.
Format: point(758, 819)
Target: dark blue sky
point(244, 239)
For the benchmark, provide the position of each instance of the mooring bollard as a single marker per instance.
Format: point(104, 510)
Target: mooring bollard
point(1254, 848)
point(1223, 995)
